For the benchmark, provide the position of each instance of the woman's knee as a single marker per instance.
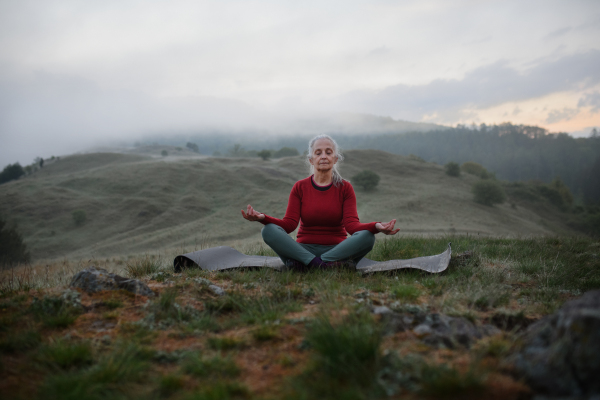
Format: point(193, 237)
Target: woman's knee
point(270, 232)
point(366, 237)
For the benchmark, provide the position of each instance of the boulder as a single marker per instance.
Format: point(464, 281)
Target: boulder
point(560, 354)
point(93, 280)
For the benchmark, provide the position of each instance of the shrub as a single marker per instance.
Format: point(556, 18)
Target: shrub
point(452, 169)
point(11, 172)
point(368, 180)
point(193, 147)
point(164, 153)
point(286, 152)
point(476, 169)
point(488, 193)
point(558, 194)
point(264, 154)
point(12, 247)
point(79, 217)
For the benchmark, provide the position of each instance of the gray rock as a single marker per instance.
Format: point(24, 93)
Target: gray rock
point(380, 310)
point(422, 330)
point(437, 329)
point(72, 298)
point(202, 281)
point(217, 290)
point(560, 354)
point(451, 331)
point(94, 279)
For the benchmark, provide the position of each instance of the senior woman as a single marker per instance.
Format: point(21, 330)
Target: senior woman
point(325, 206)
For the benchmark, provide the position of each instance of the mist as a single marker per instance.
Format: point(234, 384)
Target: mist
point(74, 75)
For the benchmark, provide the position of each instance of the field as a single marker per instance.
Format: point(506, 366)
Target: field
point(322, 334)
point(286, 335)
point(141, 203)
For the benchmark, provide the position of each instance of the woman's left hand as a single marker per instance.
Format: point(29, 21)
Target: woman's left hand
point(387, 227)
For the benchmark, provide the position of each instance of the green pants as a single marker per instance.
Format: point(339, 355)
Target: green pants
point(352, 249)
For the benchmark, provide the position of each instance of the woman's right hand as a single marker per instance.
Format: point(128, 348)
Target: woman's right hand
point(252, 215)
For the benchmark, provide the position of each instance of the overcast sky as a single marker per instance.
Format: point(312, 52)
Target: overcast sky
point(74, 72)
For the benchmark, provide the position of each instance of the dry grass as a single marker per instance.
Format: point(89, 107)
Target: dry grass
point(138, 205)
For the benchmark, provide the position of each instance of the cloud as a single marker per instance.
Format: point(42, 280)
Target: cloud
point(481, 88)
point(561, 115)
point(379, 51)
point(557, 33)
point(590, 100)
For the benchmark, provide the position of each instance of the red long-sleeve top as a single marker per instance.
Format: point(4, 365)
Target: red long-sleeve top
point(324, 215)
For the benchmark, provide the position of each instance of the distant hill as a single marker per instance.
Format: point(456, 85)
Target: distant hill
point(512, 152)
point(138, 203)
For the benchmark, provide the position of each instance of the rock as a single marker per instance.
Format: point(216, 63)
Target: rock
point(202, 281)
point(72, 298)
point(94, 279)
point(217, 290)
point(378, 310)
point(560, 354)
point(423, 330)
point(437, 329)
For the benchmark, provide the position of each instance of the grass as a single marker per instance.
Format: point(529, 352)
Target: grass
point(291, 335)
point(65, 355)
point(54, 312)
point(210, 367)
point(146, 265)
point(137, 205)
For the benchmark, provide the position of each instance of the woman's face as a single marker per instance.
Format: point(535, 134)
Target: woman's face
point(323, 155)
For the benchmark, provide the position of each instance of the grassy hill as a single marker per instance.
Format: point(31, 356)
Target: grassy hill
point(141, 203)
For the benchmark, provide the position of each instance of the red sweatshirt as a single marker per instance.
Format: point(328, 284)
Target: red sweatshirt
point(324, 215)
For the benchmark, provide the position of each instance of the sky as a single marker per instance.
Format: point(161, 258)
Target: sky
point(74, 74)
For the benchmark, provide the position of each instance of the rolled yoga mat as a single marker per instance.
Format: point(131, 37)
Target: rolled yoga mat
point(224, 257)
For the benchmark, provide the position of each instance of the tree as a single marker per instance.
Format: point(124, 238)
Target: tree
point(264, 154)
point(11, 172)
point(12, 248)
point(452, 169)
point(193, 147)
point(476, 169)
point(164, 153)
point(366, 179)
point(237, 150)
point(488, 192)
point(79, 217)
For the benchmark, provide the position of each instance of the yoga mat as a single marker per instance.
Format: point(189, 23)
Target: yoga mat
point(224, 257)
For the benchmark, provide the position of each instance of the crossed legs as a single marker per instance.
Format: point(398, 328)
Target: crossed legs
point(352, 249)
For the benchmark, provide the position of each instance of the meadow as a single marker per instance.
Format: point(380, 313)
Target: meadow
point(286, 335)
point(140, 202)
point(273, 334)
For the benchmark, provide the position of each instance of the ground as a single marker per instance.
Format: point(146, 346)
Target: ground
point(285, 335)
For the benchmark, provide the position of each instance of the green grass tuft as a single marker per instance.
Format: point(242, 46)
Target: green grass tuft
point(66, 355)
point(406, 293)
point(18, 342)
point(140, 267)
point(215, 367)
point(224, 343)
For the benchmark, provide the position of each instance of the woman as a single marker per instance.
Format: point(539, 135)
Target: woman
point(325, 206)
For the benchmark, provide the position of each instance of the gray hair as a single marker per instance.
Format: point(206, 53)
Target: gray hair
point(336, 177)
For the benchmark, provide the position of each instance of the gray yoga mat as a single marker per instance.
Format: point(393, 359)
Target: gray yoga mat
point(224, 257)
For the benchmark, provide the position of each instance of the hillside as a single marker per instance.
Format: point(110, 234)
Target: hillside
point(136, 203)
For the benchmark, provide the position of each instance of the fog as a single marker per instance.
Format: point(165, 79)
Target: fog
point(75, 75)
